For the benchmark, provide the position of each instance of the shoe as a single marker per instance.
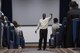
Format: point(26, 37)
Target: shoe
point(44, 49)
point(39, 49)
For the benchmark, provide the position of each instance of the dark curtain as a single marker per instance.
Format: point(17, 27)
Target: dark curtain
point(64, 8)
point(6, 8)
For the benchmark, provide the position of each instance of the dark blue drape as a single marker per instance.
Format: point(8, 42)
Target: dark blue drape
point(64, 7)
point(6, 8)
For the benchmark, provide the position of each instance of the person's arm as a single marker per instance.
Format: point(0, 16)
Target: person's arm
point(60, 24)
point(37, 28)
point(51, 16)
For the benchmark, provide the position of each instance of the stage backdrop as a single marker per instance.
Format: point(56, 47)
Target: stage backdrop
point(28, 12)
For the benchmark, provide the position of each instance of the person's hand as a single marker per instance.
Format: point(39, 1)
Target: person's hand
point(35, 31)
point(51, 14)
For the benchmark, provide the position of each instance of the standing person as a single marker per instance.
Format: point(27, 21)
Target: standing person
point(6, 32)
point(43, 25)
point(73, 13)
point(1, 31)
point(56, 25)
point(55, 31)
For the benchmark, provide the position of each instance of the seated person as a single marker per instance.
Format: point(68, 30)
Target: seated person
point(55, 25)
point(55, 31)
point(19, 32)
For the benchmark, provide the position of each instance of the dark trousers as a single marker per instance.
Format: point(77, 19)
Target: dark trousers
point(43, 36)
point(58, 39)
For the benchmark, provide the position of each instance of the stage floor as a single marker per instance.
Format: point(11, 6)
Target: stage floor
point(34, 50)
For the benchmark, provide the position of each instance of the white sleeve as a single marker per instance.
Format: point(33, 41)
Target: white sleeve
point(60, 24)
point(48, 18)
point(11, 24)
point(38, 24)
point(2, 24)
point(19, 28)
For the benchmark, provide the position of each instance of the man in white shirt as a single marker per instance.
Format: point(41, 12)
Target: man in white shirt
point(43, 25)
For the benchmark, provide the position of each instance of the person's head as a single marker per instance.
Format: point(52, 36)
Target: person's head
point(5, 18)
point(55, 20)
point(73, 4)
point(44, 15)
point(2, 16)
point(15, 24)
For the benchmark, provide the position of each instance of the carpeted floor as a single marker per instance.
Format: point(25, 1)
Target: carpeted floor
point(34, 50)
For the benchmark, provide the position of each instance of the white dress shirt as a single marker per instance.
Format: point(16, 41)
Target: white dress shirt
point(43, 23)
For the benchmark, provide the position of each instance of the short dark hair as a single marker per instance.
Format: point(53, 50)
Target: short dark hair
point(15, 24)
point(44, 15)
point(55, 20)
point(73, 4)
